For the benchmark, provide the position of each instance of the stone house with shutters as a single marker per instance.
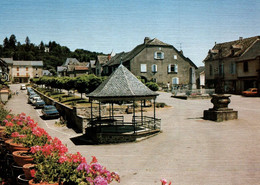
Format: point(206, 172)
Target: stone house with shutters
point(23, 71)
point(154, 60)
point(233, 67)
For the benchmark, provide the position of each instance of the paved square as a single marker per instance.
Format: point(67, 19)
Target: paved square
point(189, 150)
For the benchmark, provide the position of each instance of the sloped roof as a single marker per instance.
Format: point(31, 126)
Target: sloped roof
point(252, 52)
point(102, 59)
point(230, 49)
point(8, 60)
point(61, 68)
point(70, 61)
point(123, 57)
point(122, 84)
point(27, 63)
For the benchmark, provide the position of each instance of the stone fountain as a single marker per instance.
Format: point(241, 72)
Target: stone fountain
point(220, 111)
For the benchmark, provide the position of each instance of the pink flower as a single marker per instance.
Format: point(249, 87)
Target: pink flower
point(15, 134)
point(63, 159)
point(8, 116)
point(9, 124)
point(100, 181)
point(164, 182)
point(84, 166)
point(35, 149)
point(33, 172)
point(94, 160)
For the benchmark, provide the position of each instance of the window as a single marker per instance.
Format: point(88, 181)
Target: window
point(210, 70)
point(233, 68)
point(143, 68)
point(173, 68)
point(17, 69)
point(175, 57)
point(175, 81)
point(26, 68)
point(245, 66)
point(36, 68)
point(154, 68)
point(158, 55)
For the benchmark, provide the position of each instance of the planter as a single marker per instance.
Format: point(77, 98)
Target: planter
point(27, 170)
point(16, 170)
point(14, 146)
point(22, 157)
point(41, 183)
point(21, 180)
point(7, 144)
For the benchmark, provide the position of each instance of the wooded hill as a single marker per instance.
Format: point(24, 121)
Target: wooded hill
point(52, 54)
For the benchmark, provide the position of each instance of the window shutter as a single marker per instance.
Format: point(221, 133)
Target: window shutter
point(162, 55)
point(155, 68)
point(155, 55)
point(169, 68)
point(143, 68)
point(177, 80)
point(176, 68)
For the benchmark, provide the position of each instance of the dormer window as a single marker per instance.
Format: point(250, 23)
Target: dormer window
point(158, 55)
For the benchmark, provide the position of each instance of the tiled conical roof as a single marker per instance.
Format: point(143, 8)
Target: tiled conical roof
point(122, 84)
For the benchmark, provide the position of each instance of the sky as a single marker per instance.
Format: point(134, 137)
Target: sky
point(119, 25)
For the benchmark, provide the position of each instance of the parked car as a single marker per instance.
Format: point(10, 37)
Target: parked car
point(39, 103)
point(23, 87)
point(29, 89)
point(250, 92)
point(50, 111)
point(35, 98)
point(30, 97)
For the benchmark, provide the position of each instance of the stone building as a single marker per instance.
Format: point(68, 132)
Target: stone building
point(232, 67)
point(23, 71)
point(73, 68)
point(154, 60)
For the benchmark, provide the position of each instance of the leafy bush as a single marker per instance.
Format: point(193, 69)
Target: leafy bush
point(3, 114)
point(160, 105)
point(153, 86)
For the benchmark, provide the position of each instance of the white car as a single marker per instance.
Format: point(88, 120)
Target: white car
point(23, 87)
point(36, 98)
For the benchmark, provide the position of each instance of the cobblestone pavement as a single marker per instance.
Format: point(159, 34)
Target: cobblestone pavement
point(189, 151)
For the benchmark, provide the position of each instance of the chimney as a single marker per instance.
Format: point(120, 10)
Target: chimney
point(146, 39)
point(240, 38)
point(181, 52)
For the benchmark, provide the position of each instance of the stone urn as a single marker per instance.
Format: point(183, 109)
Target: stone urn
point(220, 111)
point(220, 101)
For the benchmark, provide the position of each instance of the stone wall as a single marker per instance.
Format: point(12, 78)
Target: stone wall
point(69, 114)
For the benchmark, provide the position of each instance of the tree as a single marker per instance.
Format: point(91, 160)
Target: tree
point(12, 41)
point(27, 41)
point(80, 84)
point(6, 43)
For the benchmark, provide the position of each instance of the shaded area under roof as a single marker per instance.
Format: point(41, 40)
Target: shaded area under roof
point(122, 85)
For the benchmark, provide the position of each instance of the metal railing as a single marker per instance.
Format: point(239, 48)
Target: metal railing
point(147, 122)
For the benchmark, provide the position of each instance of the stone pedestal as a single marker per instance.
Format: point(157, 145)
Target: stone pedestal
point(220, 111)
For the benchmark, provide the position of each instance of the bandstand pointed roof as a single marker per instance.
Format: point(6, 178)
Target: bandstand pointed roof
point(122, 85)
